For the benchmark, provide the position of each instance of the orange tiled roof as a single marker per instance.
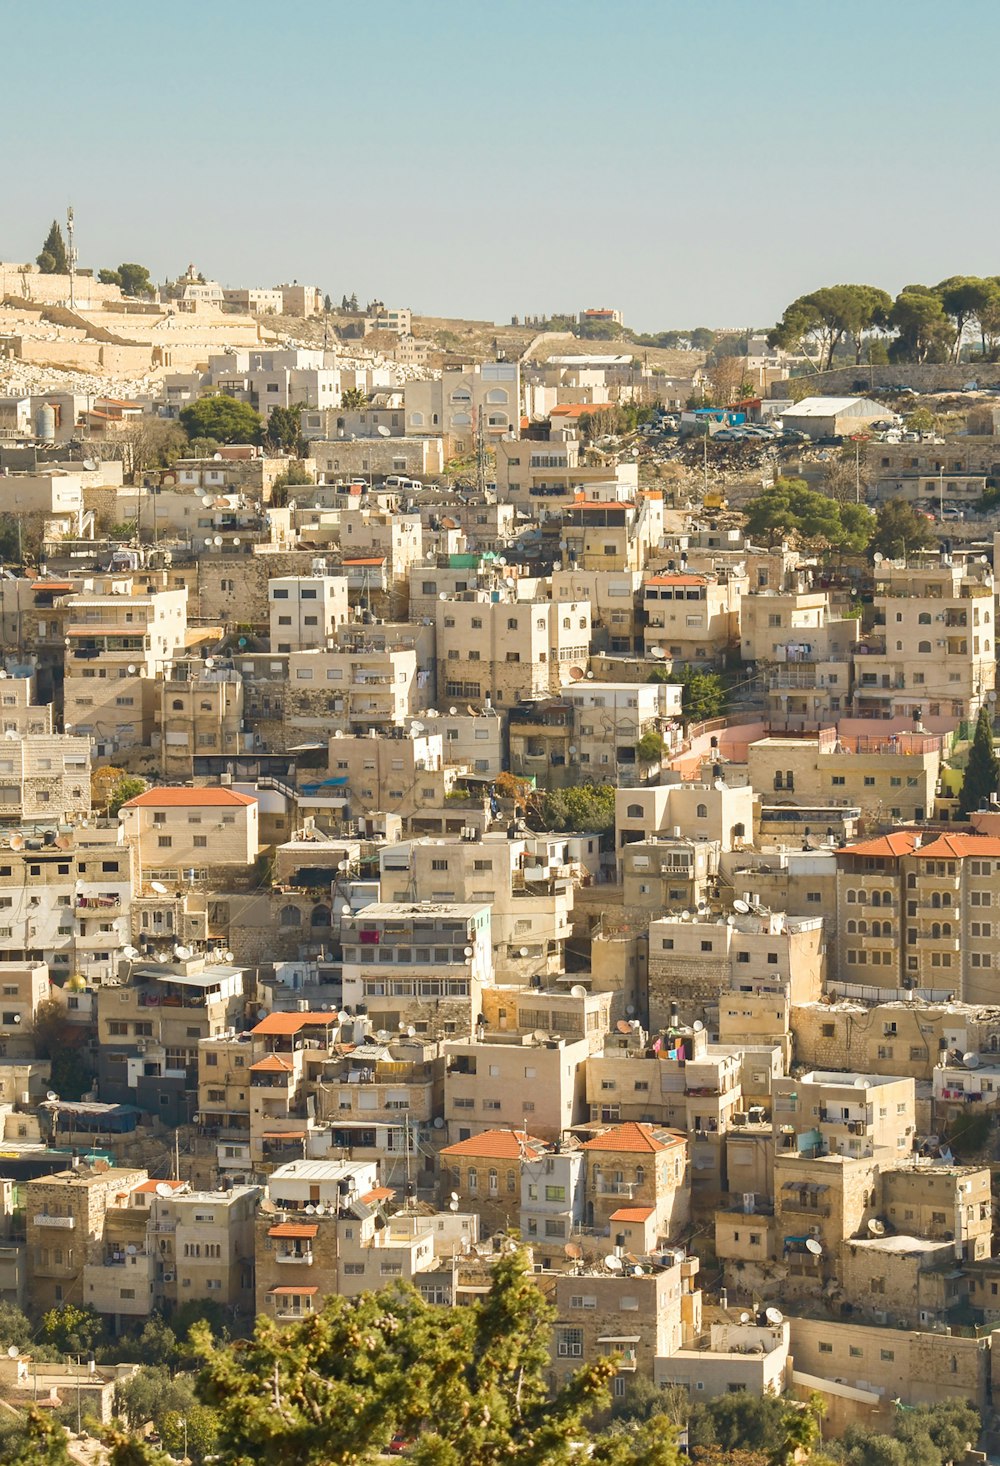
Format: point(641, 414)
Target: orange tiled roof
point(501, 1145)
point(900, 842)
point(366, 560)
point(632, 1214)
point(381, 1193)
point(150, 1186)
point(294, 1229)
point(956, 847)
point(182, 798)
point(630, 1136)
point(676, 580)
point(271, 1063)
point(288, 1023)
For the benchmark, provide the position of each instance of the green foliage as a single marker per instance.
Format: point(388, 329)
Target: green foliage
point(72, 1329)
point(328, 304)
point(222, 418)
point(202, 447)
point(899, 530)
point(585, 807)
point(353, 397)
point(790, 507)
point(924, 331)
point(43, 1443)
point(111, 787)
point(739, 1421)
point(198, 1311)
point(921, 420)
point(649, 749)
point(155, 1343)
point(283, 430)
point(15, 1326)
point(154, 1396)
point(294, 476)
point(982, 772)
point(467, 1386)
point(703, 695)
point(131, 279)
point(53, 259)
point(829, 316)
point(924, 1435)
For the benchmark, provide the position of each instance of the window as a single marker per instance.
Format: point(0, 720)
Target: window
point(702, 812)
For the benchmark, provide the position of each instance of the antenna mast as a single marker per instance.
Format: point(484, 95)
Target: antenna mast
point(72, 257)
point(480, 453)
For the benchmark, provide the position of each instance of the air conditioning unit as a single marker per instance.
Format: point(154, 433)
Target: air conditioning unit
point(169, 1277)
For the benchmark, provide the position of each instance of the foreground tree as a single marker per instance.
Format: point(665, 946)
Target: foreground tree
point(982, 772)
point(790, 507)
point(53, 259)
point(222, 418)
point(467, 1386)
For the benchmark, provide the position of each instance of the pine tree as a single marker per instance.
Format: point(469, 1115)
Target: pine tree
point(982, 772)
point(53, 259)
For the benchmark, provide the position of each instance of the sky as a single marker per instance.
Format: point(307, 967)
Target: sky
point(698, 163)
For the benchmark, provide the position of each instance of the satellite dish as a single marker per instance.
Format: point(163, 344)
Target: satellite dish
point(814, 1247)
point(657, 651)
point(411, 1032)
point(741, 906)
point(576, 673)
point(261, 1012)
point(452, 712)
point(158, 887)
point(573, 1250)
point(206, 500)
point(383, 431)
point(878, 557)
point(438, 1122)
point(522, 951)
point(217, 540)
point(698, 1026)
point(623, 1027)
point(638, 1270)
point(454, 1196)
point(971, 1059)
point(540, 1035)
point(774, 1315)
point(744, 1318)
point(182, 953)
point(130, 952)
point(51, 1095)
point(131, 1249)
point(443, 596)
point(876, 1227)
point(453, 1206)
point(468, 951)
point(310, 1210)
point(12, 1351)
point(164, 1189)
point(613, 1263)
point(578, 991)
point(162, 957)
point(17, 841)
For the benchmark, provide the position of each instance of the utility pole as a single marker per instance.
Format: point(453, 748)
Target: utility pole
point(480, 452)
point(72, 257)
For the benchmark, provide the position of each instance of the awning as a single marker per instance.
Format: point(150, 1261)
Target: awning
point(293, 1292)
point(284, 1135)
point(294, 1229)
point(619, 1338)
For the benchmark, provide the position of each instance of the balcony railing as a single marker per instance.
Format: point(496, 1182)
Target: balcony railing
point(305, 1258)
point(43, 1219)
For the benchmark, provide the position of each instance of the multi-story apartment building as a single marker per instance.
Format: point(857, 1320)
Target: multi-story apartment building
point(668, 873)
point(918, 911)
point(421, 965)
point(453, 406)
point(201, 717)
point(504, 649)
point(514, 1080)
point(552, 1202)
point(636, 1165)
point(484, 1173)
point(353, 689)
point(890, 778)
point(545, 476)
point(691, 619)
point(306, 610)
point(689, 810)
point(593, 731)
point(610, 532)
point(44, 777)
point(937, 659)
point(65, 899)
point(121, 638)
point(614, 597)
point(178, 830)
point(204, 1246)
point(807, 646)
point(65, 1224)
point(24, 986)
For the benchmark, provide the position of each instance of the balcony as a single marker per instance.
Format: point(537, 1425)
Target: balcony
point(304, 1259)
point(615, 1188)
point(43, 1219)
point(936, 944)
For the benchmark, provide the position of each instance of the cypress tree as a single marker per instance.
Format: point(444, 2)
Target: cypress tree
point(53, 259)
point(982, 772)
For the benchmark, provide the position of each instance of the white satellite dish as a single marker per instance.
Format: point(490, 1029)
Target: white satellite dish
point(613, 1263)
point(310, 1210)
point(158, 887)
point(164, 1189)
point(206, 500)
point(971, 1059)
point(131, 1249)
point(657, 651)
point(876, 1227)
point(468, 951)
point(411, 1032)
point(12, 1351)
point(452, 712)
point(578, 991)
point(51, 1095)
point(741, 906)
point(182, 953)
point(453, 1206)
point(217, 539)
point(814, 1247)
point(774, 1315)
point(698, 1026)
point(162, 957)
point(878, 557)
point(638, 1271)
point(383, 431)
point(454, 1196)
point(744, 1318)
point(130, 952)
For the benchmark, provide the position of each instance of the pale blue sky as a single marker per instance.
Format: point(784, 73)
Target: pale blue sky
point(697, 163)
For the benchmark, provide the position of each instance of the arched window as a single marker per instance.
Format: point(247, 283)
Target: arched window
point(923, 646)
point(924, 619)
point(876, 898)
point(320, 916)
point(634, 812)
point(702, 812)
point(852, 925)
point(177, 705)
point(290, 916)
point(862, 897)
point(461, 419)
point(911, 882)
point(417, 419)
point(886, 898)
point(492, 1182)
point(862, 928)
point(851, 897)
point(511, 1181)
point(473, 1180)
point(640, 1176)
point(497, 394)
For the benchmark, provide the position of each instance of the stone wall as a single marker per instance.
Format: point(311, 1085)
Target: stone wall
point(844, 381)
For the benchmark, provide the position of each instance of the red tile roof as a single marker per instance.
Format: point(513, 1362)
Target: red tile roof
point(381, 1193)
point(632, 1214)
point(185, 798)
point(295, 1288)
point(294, 1229)
point(366, 560)
point(956, 847)
point(630, 1137)
point(288, 1023)
point(899, 843)
point(501, 1145)
point(582, 503)
point(272, 1063)
point(150, 1186)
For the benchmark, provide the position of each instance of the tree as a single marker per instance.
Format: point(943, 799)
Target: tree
point(45, 1443)
point(585, 807)
point(53, 259)
point(353, 397)
point(295, 475)
point(328, 305)
point(111, 787)
point(982, 772)
point(827, 317)
point(961, 297)
point(145, 442)
point(726, 377)
point(899, 530)
point(468, 1386)
point(987, 318)
point(650, 747)
point(352, 304)
point(921, 420)
point(72, 1329)
point(790, 507)
point(924, 331)
point(131, 280)
point(222, 418)
point(15, 1326)
point(703, 695)
point(284, 428)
